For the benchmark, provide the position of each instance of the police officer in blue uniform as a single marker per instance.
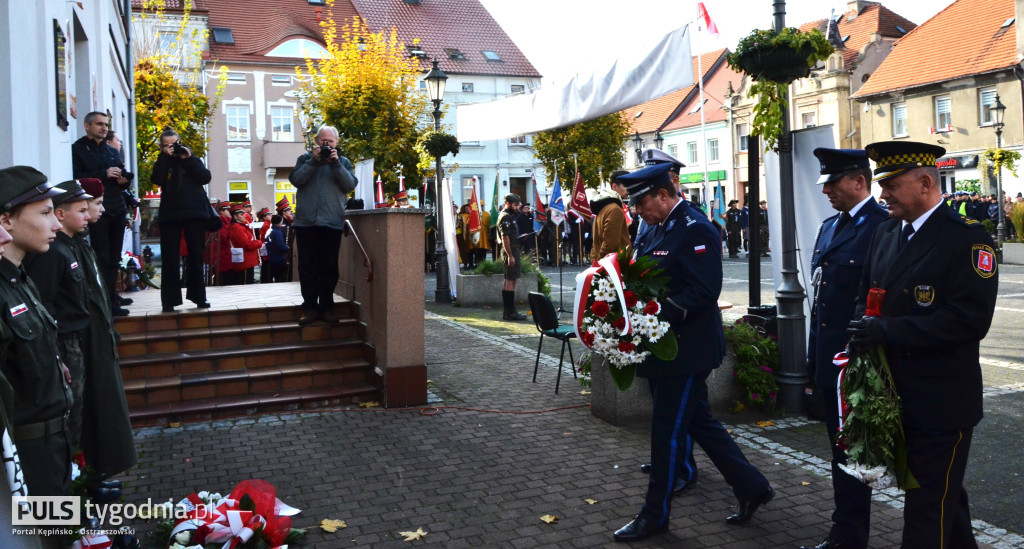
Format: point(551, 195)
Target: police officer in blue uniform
point(840, 252)
point(940, 276)
point(686, 245)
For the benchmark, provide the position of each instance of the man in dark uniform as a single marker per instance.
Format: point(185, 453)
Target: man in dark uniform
point(733, 227)
point(687, 247)
point(939, 273)
point(840, 252)
point(508, 234)
point(284, 209)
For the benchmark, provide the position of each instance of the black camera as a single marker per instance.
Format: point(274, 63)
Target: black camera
point(128, 176)
point(179, 148)
point(325, 152)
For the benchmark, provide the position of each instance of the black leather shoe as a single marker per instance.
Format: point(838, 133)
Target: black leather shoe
point(204, 304)
point(682, 486)
point(118, 311)
point(513, 316)
point(827, 544)
point(110, 484)
point(747, 508)
point(638, 529)
point(124, 300)
point(167, 309)
point(105, 495)
point(309, 318)
point(645, 468)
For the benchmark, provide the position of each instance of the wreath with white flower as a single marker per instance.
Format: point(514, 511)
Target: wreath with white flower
point(617, 314)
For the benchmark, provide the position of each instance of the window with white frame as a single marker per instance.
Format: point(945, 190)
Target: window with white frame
point(673, 151)
point(986, 100)
point(467, 87)
point(236, 78)
point(743, 136)
point(809, 119)
point(467, 188)
point(238, 191)
point(238, 122)
point(517, 140)
point(943, 113)
point(691, 152)
point(518, 88)
point(712, 150)
point(281, 80)
point(281, 118)
point(899, 120)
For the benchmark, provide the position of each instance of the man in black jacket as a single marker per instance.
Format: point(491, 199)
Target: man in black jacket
point(92, 157)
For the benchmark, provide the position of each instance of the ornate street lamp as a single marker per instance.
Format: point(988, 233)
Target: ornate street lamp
point(998, 110)
point(435, 80)
point(658, 139)
point(638, 146)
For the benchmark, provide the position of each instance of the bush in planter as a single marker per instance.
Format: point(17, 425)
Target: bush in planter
point(488, 268)
point(1017, 218)
point(757, 360)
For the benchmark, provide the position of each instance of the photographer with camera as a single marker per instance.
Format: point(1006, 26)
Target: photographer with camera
point(184, 208)
point(93, 157)
point(323, 178)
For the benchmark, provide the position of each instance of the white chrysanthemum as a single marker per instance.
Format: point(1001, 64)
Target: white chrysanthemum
point(877, 478)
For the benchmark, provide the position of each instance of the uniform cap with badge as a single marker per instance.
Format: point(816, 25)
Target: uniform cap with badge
point(835, 163)
point(22, 185)
point(71, 191)
point(895, 157)
point(262, 212)
point(657, 156)
point(646, 180)
point(283, 205)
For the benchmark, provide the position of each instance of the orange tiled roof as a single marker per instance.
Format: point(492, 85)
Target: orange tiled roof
point(966, 38)
point(874, 18)
point(656, 112)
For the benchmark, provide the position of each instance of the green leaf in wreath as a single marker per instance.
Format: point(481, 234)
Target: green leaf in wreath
point(666, 348)
point(246, 503)
point(623, 377)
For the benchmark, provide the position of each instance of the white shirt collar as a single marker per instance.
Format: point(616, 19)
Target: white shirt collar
point(678, 202)
point(853, 211)
point(921, 219)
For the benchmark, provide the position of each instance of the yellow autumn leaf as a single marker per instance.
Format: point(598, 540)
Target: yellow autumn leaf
point(332, 525)
point(590, 501)
point(371, 404)
point(805, 483)
point(413, 536)
point(584, 392)
point(549, 519)
point(174, 424)
point(764, 424)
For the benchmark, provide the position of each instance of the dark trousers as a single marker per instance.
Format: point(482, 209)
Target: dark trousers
point(170, 244)
point(233, 278)
point(734, 241)
point(70, 346)
point(851, 519)
point(318, 266)
point(107, 238)
point(681, 407)
point(276, 272)
point(936, 514)
point(686, 467)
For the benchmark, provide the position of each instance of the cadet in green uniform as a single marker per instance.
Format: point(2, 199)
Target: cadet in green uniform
point(508, 233)
point(42, 399)
point(106, 428)
point(60, 279)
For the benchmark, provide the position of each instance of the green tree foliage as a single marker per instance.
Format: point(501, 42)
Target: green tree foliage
point(169, 87)
point(368, 88)
point(597, 144)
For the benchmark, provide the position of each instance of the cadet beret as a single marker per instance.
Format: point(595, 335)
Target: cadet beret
point(835, 163)
point(400, 195)
point(262, 212)
point(71, 191)
point(645, 180)
point(92, 186)
point(283, 205)
point(895, 157)
point(658, 156)
point(513, 198)
point(22, 185)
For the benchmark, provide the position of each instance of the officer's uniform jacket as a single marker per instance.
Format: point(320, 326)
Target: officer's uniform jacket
point(688, 247)
point(837, 264)
point(940, 297)
point(507, 227)
point(60, 278)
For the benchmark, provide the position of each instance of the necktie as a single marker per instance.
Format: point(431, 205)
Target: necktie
point(844, 218)
point(908, 230)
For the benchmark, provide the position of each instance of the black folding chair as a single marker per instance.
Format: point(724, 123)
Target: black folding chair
point(546, 320)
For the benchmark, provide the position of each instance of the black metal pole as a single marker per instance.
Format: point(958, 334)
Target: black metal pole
point(790, 294)
point(443, 293)
point(754, 220)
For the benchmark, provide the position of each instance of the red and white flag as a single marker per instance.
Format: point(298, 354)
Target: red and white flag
point(580, 204)
point(708, 23)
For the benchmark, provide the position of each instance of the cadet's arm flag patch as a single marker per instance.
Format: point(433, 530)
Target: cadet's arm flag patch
point(700, 249)
point(983, 259)
point(18, 309)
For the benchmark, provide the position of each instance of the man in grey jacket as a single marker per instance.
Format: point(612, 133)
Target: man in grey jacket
point(323, 178)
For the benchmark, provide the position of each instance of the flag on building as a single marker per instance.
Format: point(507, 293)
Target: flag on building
point(555, 205)
point(474, 210)
point(580, 203)
point(708, 23)
point(494, 199)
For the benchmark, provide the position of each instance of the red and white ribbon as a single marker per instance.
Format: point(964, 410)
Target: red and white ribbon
point(840, 361)
point(610, 265)
point(99, 541)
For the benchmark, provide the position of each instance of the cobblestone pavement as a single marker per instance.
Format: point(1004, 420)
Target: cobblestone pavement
point(498, 452)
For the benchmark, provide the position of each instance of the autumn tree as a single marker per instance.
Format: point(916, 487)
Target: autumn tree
point(368, 88)
point(596, 143)
point(170, 84)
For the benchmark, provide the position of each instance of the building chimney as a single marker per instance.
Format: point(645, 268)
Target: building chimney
point(413, 2)
point(856, 6)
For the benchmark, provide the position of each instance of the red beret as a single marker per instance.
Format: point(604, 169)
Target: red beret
point(92, 186)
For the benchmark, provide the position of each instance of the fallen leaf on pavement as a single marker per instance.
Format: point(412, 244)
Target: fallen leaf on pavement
point(370, 404)
point(549, 519)
point(590, 501)
point(332, 525)
point(805, 483)
point(174, 424)
point(763, 424)
point(413, 536)
point(584, 392)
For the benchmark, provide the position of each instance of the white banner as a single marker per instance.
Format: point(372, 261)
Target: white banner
point(449, 234)
point(809, 203)
point(366, 185)
point(629, 81)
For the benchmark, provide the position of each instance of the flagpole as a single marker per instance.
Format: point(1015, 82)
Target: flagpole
point(703, 129)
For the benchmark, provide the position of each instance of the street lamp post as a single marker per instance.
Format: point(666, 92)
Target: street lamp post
point(435, 88)
point(997, 110)
point(658, 140)
point(638, 146)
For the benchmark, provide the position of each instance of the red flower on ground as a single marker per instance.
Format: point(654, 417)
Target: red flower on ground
point(619, 323)
point(600, 308)
point(588, 339)
point(652, 308)
point(631, 298)
point(875, 298)
point(626, 347)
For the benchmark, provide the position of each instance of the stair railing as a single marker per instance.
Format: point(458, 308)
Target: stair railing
point(351, 231)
